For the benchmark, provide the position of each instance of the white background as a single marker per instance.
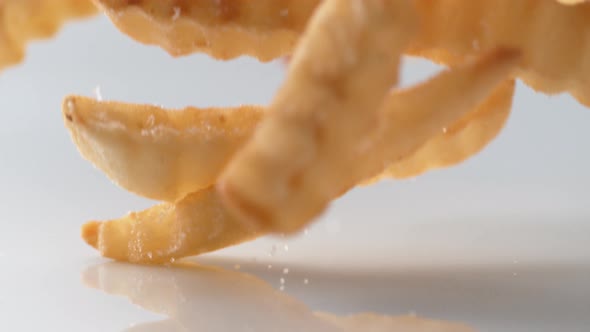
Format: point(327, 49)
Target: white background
point(500, 242)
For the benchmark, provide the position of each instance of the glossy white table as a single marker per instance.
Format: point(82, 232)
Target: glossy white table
point(500, 243)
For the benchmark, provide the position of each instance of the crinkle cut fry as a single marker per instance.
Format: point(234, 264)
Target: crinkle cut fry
point(24, 20)
point(346, 62)
point(157, 153)
point(176, 152)
point(225, 29)
point(408, 121)
point(460, 141)
point(554, 39)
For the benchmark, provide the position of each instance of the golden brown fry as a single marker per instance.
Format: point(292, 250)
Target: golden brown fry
point(408, 121)
point(285, 203)
point(347, 61)
point(191, 146)
point(553, 38)
point(24, 20)
point(224, 29)
point(196, 224)
point(157, 153)
point(464, 139)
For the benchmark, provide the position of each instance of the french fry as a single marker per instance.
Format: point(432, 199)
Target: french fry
point(265, 29)
point(552, 38)
point(168, 164)
point(464, 139)
point(157, 153)
point(346, 63)
point(194, 225)
point(22, 21)
point(409, 120)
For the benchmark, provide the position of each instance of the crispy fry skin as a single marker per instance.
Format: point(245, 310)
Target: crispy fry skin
point(157, 153)
point(224, 29)
point(296, 202)
point(347, 62)
point(554, 39)
point(179, 159)
point(194, 225)
point(408, 121)
point(464, 139)
point(24, 20)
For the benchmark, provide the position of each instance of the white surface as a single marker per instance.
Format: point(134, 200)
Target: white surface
point(500, 242)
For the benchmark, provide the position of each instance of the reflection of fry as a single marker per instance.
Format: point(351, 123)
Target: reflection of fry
point(265, 29)
point(202, 298)
point(409, 120)
point(24, 20)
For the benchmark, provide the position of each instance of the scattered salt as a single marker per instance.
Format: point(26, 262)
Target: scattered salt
point(282, 280)
point(269, 266)
point(97, 93)
point(286, 247)
point(285, 271)
point(176, 13)
point(306, 281)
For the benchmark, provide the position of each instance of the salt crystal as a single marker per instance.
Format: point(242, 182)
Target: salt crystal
point(285, 271)
point(306, 281)
point(97, 93)
point(176, 13)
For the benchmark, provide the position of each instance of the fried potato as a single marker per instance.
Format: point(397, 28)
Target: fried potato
point(553, 38)
point(347, 61)
point(194, 225)
point(187, 156)
point(157, 153)
point(462, 140)
point(225, 29)
point(169, 164)
point(408, 120)
point(24, 20)
point(298, 201)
